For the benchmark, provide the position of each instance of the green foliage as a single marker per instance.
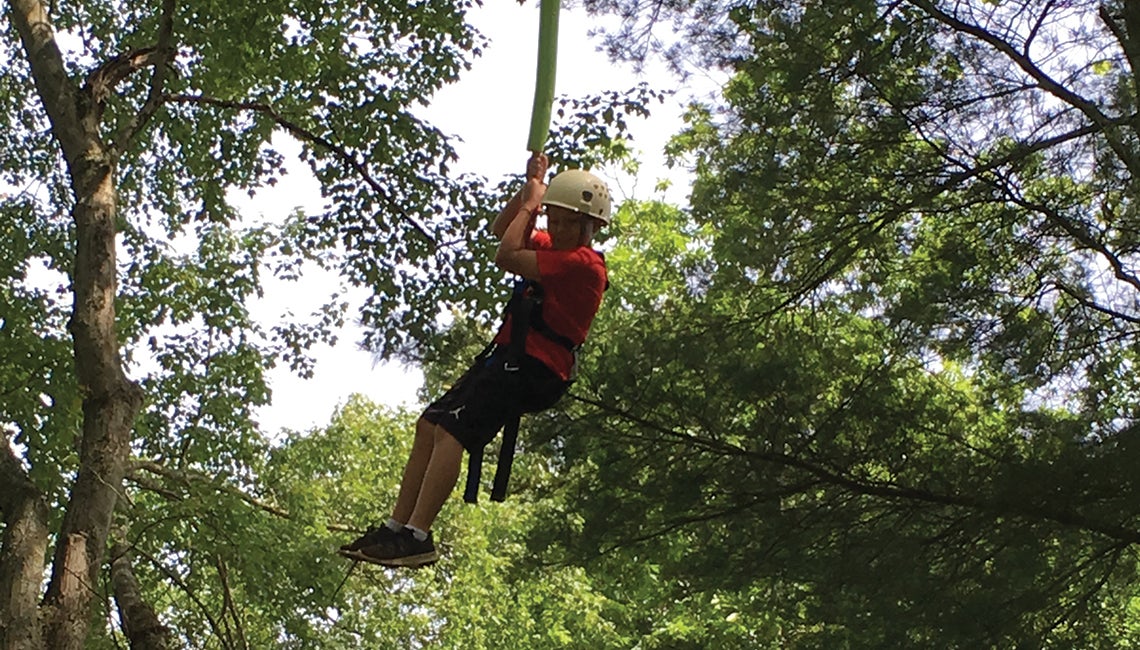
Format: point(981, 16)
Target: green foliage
point(881, 372)
point(256, 566)
point(875, 387)
point(39, 403)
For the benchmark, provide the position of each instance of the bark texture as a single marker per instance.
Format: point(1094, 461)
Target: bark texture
point(21, 554)
point(110, 404)
point(140, 623)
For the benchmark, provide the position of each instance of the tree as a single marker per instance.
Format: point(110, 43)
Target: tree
point(125, 126)
point(894, 405)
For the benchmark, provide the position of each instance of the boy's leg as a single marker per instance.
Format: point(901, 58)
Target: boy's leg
point(439, 479)
point(422, 450)
point(413, 546)
point(473, 408)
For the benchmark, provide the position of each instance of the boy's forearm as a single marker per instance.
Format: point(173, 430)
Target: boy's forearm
point(528, 198)
point(506, 215)
point(514, 253)
point(516, 234)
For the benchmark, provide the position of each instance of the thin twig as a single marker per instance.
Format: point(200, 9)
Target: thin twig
point(301, 132)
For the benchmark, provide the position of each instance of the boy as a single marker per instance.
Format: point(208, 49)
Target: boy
point(571, 278)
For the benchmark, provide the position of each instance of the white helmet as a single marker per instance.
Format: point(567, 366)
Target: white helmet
point(580, 191)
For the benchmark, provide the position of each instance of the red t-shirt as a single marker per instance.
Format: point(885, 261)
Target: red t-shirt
point(572, 282)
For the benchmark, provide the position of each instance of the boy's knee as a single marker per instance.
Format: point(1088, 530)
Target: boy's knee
point(424, 428)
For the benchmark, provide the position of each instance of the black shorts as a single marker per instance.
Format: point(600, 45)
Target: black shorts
point(477, 406)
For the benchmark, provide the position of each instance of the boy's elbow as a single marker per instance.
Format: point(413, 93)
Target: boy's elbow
point(502, 259)
point(520, 262)
point(511, 261)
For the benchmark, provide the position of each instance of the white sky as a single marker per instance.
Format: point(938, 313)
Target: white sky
point(489, 109)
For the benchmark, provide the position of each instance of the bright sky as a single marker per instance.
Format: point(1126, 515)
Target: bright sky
point(489, 109)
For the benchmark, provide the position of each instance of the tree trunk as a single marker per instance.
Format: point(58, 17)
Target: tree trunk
point(110, 403)
point(110, 400)
point(21, 554)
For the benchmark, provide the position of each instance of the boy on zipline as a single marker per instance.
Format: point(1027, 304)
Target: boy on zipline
point(566, 279)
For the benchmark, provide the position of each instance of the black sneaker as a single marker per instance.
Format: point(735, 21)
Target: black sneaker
point(371, 537)
point(401, 549)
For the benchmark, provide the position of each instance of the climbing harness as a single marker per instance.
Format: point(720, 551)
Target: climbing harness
point(524, 310)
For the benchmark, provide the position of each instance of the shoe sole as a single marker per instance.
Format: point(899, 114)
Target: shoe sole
point(407, 562)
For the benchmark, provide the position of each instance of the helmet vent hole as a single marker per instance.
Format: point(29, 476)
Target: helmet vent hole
point(587, 195)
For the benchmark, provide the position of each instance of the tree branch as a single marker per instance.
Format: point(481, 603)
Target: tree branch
point(1036, 27)
point(1092, 304)
point(889, 490)
point(164, 55)
point(140, 623)
point(707, 444)
point(21, 552)
point(55, 89)
point(187, 477)
point(177, 581)
point(361, 168)
point(1046, 82)
point(228, 604)
point(894, 491)
point(836, 258)
point(101, 82)
point(1078, 233)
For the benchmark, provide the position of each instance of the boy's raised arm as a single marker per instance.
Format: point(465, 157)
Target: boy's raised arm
point(536, 167)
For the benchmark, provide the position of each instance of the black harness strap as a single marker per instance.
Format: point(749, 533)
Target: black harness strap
point(506, 459)
point(474, 473)
point(475, 457)
point(502, 470)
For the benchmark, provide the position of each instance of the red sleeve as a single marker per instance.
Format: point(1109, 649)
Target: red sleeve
point(540, 240)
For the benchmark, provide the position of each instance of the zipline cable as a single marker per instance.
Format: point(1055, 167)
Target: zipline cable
point(544, 77)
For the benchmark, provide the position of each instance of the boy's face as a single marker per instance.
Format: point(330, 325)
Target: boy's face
point(565, 227)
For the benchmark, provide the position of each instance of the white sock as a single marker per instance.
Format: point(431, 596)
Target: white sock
point(420, 535)
point(394, 525)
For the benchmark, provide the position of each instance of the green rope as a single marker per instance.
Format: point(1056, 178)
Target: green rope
point(544, 79)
